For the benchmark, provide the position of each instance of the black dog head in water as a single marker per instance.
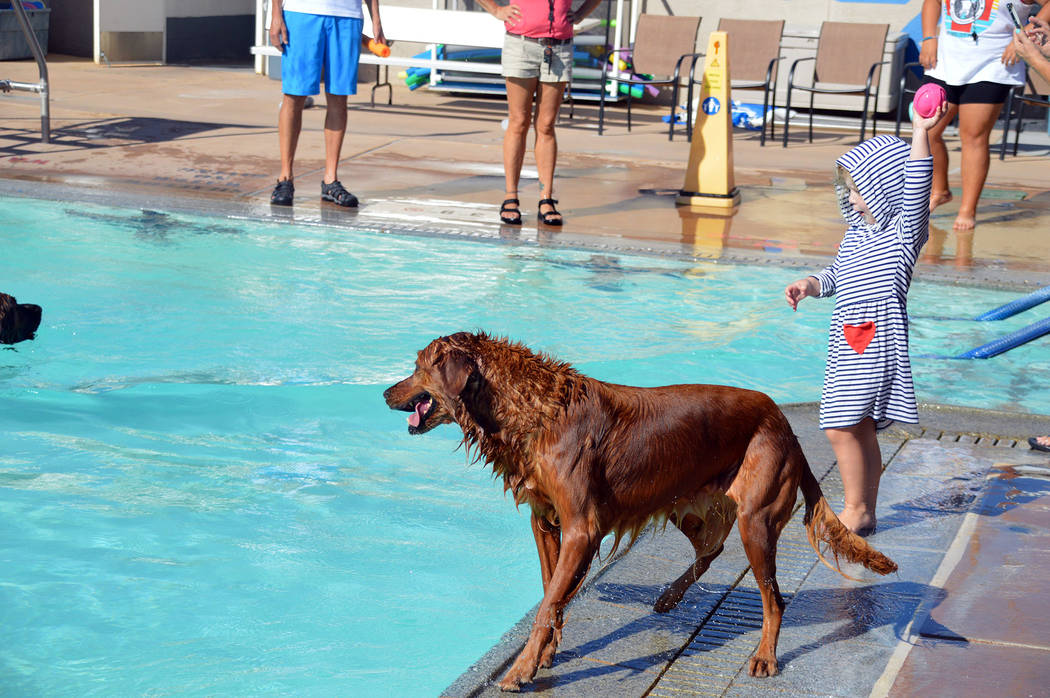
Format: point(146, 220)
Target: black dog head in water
point(18, 321)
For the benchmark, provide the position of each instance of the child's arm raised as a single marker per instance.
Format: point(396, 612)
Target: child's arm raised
point(918, 180)
point(920, 142)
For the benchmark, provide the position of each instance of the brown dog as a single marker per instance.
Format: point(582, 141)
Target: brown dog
point(18, 321)
point(592, 458)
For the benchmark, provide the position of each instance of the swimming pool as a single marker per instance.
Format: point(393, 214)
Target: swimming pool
point(202, 491)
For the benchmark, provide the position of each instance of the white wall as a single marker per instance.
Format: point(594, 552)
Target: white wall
point(149, 15)
point(130, 16)
point(208, 8)
point(794, 12)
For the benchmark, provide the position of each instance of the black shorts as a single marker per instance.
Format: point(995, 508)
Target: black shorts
point(975, 92)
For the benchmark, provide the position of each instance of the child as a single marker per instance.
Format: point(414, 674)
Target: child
point(884, 194)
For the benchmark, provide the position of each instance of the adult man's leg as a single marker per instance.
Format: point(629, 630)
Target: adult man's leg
point(334, 133)
point(289, 125)
point(343, 48)
point(300, 76)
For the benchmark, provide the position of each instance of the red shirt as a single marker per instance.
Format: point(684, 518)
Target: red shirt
point(536, 23)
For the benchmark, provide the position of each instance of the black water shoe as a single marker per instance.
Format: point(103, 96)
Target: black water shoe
point(283, 193)
point(337, 194)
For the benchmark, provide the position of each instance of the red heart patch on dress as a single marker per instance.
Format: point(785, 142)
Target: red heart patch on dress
point(859, 336)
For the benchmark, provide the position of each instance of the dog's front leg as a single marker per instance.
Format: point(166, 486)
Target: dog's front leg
point(548, 544)
point(577, 550)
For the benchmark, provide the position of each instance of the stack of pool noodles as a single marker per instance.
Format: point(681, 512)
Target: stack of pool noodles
point(1014, 339)
point(623, 69)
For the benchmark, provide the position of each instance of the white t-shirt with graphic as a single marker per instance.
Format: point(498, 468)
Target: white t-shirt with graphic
point(973, 36)
point(334, 8)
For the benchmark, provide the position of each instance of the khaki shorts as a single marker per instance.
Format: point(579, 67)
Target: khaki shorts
point(523, 58)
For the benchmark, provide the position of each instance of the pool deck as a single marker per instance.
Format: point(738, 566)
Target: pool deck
point(964, 504)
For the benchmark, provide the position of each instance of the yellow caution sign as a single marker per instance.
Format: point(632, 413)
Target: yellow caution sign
point(705, 231)
point(709, 175)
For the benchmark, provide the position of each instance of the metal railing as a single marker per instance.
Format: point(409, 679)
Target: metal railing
point(41, 87)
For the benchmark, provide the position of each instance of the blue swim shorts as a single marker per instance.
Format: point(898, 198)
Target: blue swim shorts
point(320, 45)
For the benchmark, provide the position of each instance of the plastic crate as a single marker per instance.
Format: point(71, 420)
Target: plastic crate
point(13, 44)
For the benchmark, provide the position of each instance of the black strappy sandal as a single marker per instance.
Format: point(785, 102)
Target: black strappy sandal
point(504, 208)
point(283, 193)
point(337, 194)
point(548, 217)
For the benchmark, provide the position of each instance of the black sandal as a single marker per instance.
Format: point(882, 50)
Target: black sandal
point(504, 208)
point(1033, 442)
point(547, 218)
point(283, 193)
point(337, 194)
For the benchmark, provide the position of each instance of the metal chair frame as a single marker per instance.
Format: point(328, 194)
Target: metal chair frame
point(824, 90)
point(1023, 100)
point(675, 79)
point(904, 91)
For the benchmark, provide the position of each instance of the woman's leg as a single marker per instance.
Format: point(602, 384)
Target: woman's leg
point(548, 102)
point(940, 194)
point(860, 465)
point(520, 93)
point(976, 122)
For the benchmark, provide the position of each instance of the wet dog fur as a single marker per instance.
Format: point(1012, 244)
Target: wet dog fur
point(18, 321)
point(591, 458)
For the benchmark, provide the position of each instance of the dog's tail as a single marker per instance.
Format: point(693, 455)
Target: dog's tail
point(822, 526)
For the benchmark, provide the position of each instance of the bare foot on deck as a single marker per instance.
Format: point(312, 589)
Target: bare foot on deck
point(939, 197)
point(861, 523)
point(964, 221)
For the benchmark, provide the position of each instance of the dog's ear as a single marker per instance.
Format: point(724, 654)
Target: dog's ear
point(454, 371)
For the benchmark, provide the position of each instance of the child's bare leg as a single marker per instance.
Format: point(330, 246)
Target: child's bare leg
point(860, 465)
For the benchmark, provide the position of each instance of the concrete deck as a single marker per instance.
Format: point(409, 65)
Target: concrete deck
point(965, 504)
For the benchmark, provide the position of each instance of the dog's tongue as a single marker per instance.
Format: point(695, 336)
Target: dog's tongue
point(416, 417)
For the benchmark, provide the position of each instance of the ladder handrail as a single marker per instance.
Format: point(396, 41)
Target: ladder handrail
point(40, 87)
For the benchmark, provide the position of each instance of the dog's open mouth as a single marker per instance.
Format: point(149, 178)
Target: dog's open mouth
point(422, 406)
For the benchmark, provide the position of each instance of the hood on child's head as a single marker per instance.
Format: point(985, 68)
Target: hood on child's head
point(877, 168)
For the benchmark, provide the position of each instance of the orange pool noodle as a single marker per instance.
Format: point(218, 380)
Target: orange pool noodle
point(381, 50)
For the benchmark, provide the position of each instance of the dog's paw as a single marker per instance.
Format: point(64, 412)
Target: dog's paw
point(668, 600)
point(516, 677)
point(510, 684)
point(763, 666)
point(547, 656)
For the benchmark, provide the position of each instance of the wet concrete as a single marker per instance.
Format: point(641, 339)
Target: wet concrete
point(963, 505)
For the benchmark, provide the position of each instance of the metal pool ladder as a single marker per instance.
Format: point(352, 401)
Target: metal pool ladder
point(41, 87)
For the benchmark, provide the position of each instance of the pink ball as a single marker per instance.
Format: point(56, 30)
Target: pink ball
point(928, 98)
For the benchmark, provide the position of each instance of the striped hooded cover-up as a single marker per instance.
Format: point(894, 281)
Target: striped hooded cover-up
point(868, 372)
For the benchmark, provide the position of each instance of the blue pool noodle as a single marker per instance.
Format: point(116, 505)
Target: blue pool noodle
point(1021, 304)
point(1014, 339)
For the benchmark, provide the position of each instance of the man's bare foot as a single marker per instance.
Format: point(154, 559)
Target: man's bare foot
point(964, 222)
point(939, 197)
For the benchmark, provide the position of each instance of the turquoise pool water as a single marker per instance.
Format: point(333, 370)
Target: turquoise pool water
point(203, 493)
